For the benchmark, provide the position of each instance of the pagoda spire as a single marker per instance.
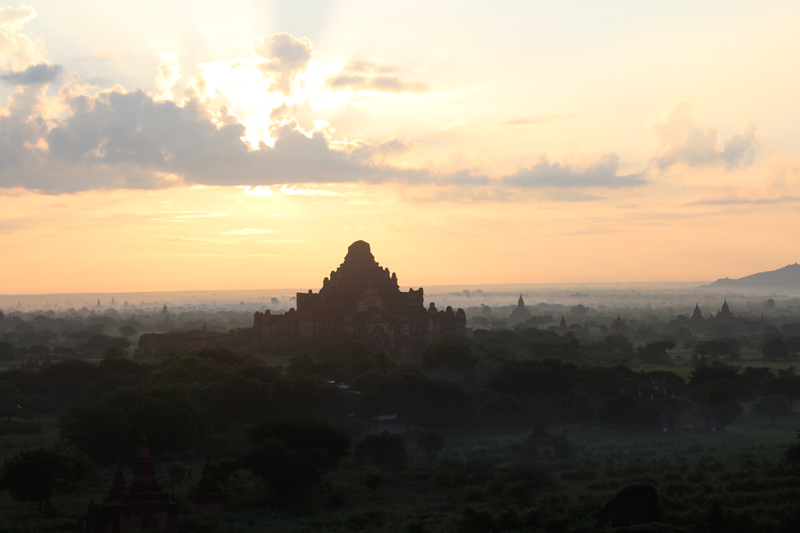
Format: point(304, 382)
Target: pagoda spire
point(144, 477)
point(117, 486)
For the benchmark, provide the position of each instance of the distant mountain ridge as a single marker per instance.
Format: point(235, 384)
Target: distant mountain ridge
point(787, 277)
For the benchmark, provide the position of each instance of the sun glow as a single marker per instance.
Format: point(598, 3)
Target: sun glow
point(260, 190)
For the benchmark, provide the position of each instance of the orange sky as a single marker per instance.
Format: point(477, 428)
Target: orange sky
point(526, 144)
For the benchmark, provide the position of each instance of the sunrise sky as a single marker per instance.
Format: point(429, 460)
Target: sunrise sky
point(188, 145)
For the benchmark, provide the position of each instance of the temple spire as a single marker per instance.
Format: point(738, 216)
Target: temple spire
point(117, 486)
point(144, 477)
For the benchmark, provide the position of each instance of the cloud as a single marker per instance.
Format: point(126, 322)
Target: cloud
point(286, 56)
point(121, 139)
point(734, 200)
point(602, 173)
point(371, 76)
point(16, 47)
point(248, 231)
point(535, 121)
point(34, 75)
point(377, 152)
point(295, 190)
point(380, 83)
point(681, 140)
point(118, 139)
point(183, 215)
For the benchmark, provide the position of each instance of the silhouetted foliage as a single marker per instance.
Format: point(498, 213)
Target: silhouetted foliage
point(387, 451)
point(292, 455)
point(721, 404)
point(431, 443)
point(775, 349)
point(31, 476)
point(420, 400)
point(772, 407)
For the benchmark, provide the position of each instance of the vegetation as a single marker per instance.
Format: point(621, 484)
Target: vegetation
point(302, 447)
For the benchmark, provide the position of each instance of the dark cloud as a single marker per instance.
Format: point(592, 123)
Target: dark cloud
point(383, 83)
point(279, 112)
point(603, 174)
point(740, 150)
point(130, 140)
point(372, 76)
point(367, 151)
point(34, 75)
point(683, 141)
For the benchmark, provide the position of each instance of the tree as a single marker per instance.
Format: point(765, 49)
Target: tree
point(717, 348)
point(385, 449)
point(618, 410)
point(292, 455)
point(452, 353)
point(574, 407)
point(10, 401)
point(420, 400)
point(772, 407)
point(775, 349)
point(127, 330)
point(31, 476)
point(792, 452)
point(431, 443)
point(785, 385)
point(75, 465)
point(704, 374)
point(655, 352)
point(620, 343)
point(8, 352)
point(723, 407)
point(628, 413)
point(753, 376)
point(101, 431)
point(669, 382)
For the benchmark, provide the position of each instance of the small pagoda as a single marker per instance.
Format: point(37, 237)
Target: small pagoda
point(207, 497)
point(562, 328)
point(141, 507)
point(520, 314)
point(619, 327)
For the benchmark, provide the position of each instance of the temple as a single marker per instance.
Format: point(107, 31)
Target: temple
point(562, 328)
point(141, 507)
point(619, 327)
point(362, 299)
point(520, 314)
point(725, 310)
point(207, 497)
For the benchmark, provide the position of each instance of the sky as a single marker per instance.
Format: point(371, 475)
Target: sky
point(179, 145)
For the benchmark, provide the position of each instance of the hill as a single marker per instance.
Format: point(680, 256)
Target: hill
point(787, 278)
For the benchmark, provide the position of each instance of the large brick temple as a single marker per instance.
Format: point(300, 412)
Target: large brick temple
point(362, 299)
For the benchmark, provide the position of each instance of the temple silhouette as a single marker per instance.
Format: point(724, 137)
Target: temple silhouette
point(142, 506)
point(361, 299)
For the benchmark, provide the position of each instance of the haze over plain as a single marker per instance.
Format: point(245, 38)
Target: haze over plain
point(187, 147)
